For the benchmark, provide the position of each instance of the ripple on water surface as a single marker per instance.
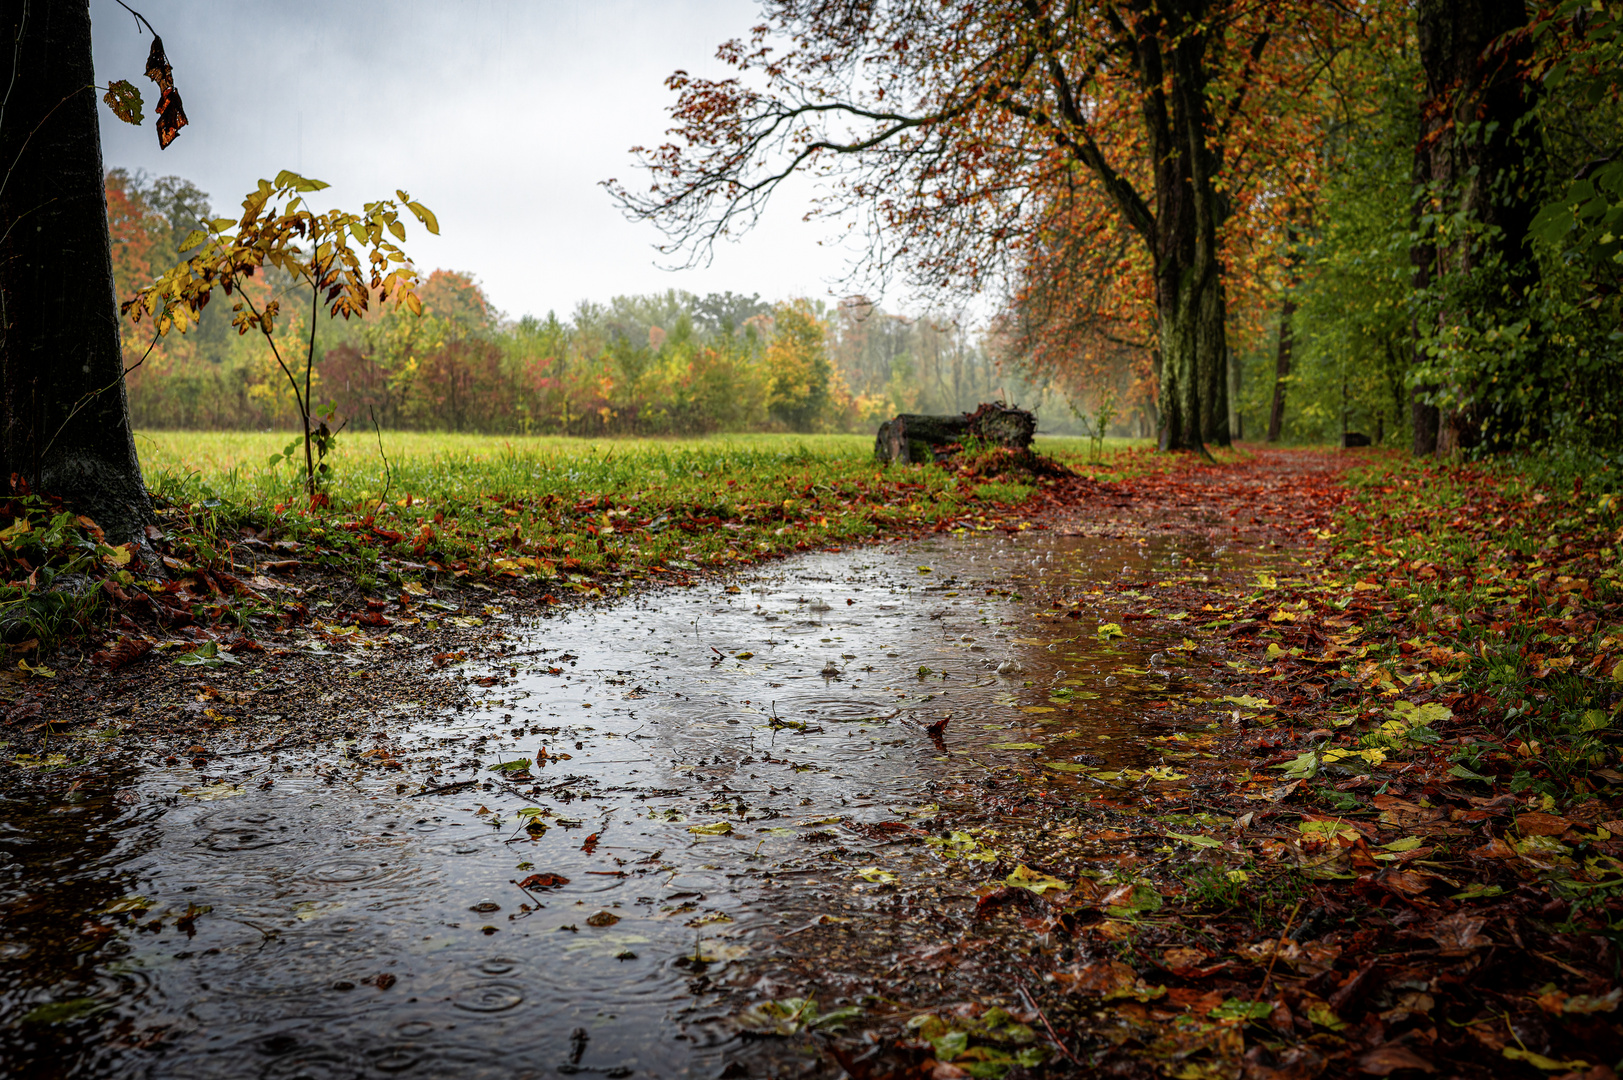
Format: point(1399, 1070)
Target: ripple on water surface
point(340, 929)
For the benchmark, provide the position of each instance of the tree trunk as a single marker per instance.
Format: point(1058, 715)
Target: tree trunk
point(1282, 367)
point(914, 437)
point(1423, 415)
point(64, 417)
point(1213, 359)
point(1179, 404)
point(1475, 148)
point(1236, 384)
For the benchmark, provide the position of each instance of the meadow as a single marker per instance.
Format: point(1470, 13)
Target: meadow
point(232, 465)
point(547, 508)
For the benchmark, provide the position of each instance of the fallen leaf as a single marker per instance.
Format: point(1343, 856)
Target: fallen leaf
point(1459, 932)
point(1025, 877)
point(1539, 1061)
point(1391, 1058)
point(543, 881)
point(1537, 824)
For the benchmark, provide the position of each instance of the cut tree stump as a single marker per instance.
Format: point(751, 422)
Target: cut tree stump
point(917, 437)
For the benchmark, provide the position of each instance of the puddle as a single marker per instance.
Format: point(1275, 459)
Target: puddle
point(708, 770)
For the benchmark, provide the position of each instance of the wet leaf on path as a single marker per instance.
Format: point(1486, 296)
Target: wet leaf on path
point(1025, 877)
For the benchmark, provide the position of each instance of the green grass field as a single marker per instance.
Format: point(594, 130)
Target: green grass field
point(560, 509)
point(548, 507)
point(231, 465)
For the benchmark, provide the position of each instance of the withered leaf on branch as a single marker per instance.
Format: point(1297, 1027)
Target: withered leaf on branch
point(125, 101)
point(158, 69)
point(171, 118)
point(171, 114)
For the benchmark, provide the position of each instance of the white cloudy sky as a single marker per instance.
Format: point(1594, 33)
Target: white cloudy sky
point(501, 115)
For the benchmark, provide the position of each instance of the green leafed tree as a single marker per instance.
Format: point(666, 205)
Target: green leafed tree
point(797, 366)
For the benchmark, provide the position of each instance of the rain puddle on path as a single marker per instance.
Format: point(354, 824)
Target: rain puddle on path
point(723, 766)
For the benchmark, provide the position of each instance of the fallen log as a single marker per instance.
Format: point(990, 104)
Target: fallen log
point(914, 437)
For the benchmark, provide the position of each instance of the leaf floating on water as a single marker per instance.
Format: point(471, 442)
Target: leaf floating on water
point(1016, 746)
point(543, 881)
point(791, 1016)
point(209, 792)
point(1110, 630)
point(602, 918)
point(715, 828)
point(875, 874)
point(518, 765)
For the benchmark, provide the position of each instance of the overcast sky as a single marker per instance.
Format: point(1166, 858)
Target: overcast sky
point(502, 116)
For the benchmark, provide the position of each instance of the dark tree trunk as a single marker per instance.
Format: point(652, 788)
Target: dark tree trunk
point(64, 419)
point(1477, 148)
point(1172, 45)
point(1422, 259)
point(916, 437)
point(1282, 367)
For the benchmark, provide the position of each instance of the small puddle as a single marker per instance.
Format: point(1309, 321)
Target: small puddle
point(723, 766)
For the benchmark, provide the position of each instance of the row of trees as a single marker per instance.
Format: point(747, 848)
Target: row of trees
point(1396, 215)
point(665, 363)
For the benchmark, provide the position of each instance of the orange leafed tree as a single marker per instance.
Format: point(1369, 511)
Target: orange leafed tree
point(978, 138)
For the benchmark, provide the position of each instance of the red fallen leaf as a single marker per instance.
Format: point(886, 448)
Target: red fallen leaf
point(1493, 849)
point(1459, 932)
point(244, 645)
point(1009, 894)
point(1352, 986)
point(1537, 824)
point(126, 651)
point(384, 981)
point(543, 881)
point(589, 845)
point(487, 680)
point(1388, 1059)
point(1097, 979)
point(938, 727)
point(1294, 1063)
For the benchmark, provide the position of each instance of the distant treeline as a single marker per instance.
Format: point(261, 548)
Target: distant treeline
point(669, 363)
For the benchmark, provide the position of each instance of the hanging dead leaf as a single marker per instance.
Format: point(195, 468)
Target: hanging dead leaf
point(171, 114)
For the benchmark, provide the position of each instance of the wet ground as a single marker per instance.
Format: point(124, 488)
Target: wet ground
point(629, 839)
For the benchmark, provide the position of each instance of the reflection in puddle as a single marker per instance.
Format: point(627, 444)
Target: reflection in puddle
point(699, 772)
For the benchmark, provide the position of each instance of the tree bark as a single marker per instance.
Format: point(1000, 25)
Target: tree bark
point(995, 423)
point(64, 417)
point(1282, 367)
point(1474, 150)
